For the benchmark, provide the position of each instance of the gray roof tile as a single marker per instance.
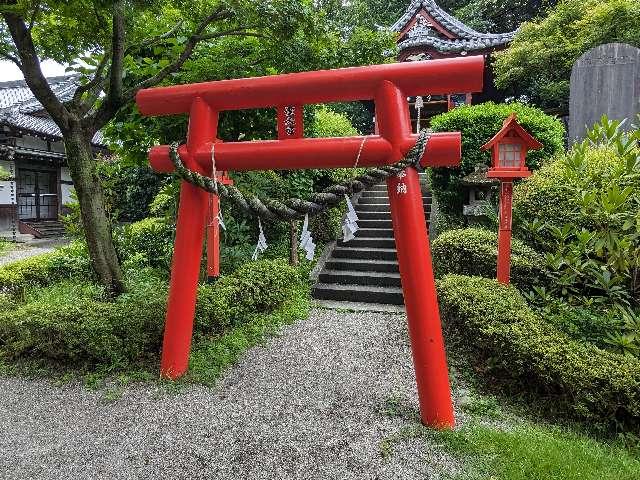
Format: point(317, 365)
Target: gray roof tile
point(469, 39)
point(18, 107)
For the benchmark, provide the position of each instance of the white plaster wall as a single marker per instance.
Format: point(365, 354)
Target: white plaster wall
point(5, 187)
point(64, 188)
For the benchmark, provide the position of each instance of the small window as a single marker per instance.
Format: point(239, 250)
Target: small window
point(510, 155)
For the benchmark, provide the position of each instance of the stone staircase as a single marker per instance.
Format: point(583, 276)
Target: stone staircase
point(365, 269)
point(43, 228)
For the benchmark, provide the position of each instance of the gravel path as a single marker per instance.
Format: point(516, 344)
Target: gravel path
point(307, 405)
point(35, 247)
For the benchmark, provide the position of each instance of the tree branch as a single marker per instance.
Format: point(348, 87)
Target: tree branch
point(155, 40)
point(114, 94)
point(30, 67)
point(96, 81)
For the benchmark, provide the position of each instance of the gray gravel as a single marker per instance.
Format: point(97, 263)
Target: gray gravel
point(307, 405)
point(32, 248)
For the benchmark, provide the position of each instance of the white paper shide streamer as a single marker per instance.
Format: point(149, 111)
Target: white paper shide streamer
point(350, 225)
point(221, 221)
point(306, 242)
point(262, 242)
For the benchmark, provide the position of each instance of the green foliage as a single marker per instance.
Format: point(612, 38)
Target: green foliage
point(512, 343)
point(478, 123)
point(70, 325)
point(499, 15)
point(4, 174)
point(148, 242)
point(328, 123)
point(212, 354)
point(255, 287)
point(474, 251)
point(64, 263)
point(584, 210)
point(538, 62)
point(532, 452)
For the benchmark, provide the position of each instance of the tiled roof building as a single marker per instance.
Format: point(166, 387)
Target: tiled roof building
point(32, 151)
point(427, 32)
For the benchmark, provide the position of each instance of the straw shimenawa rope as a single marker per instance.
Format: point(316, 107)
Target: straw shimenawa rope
point(295, 208)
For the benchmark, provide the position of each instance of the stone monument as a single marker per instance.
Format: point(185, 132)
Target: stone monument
point(604, 81)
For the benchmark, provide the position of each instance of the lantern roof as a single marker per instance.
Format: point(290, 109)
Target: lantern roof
point(425, 24)
point(511, 128)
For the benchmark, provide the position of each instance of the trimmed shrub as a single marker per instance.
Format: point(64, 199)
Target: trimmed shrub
point(71, 324)
point(258, 286)
point(478, 123)
point(152, 238)
point(517, 346)
point(553, 193)
point(474, 251)
point(87, 331)
point(66, 262)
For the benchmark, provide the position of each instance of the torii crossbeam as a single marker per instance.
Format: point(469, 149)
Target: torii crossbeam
point(389, 86)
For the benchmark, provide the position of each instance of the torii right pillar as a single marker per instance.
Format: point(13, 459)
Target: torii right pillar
point(416, 270)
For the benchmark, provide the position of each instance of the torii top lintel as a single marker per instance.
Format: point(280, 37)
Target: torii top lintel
point(388, 85)
point(323, 86)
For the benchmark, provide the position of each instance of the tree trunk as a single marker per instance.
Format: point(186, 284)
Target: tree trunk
point(96, 225)
point(293, 229)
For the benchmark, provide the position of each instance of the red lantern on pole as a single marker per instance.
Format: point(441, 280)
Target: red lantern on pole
point(509, 149)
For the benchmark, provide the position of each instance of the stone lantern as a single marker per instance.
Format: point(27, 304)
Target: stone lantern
point(480, 191)
point(509, 149)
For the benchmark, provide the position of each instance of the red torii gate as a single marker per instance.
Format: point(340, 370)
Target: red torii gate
point(389, 86)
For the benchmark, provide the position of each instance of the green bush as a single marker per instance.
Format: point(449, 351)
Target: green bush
point(71, 324)
point(66, 262)
point(478, 123)
point(151, 238)
point(255, 287)
point(474, 251)
point(518, 347)
point(583, 210)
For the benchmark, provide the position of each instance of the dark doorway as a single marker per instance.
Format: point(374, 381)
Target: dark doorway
point(37, 195)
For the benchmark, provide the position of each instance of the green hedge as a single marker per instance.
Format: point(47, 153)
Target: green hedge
point(87, 330)
point(66, 262)
point(515, 345)
point(255, 287)
point(478, 123)
point(148, 241)
point(551, 194)
point(474, 251)
point(71, 324)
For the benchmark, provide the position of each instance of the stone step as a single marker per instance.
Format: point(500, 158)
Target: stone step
point(373, 216)
point(352, 277)
point(365, 253)
point(362, 223)
point(372, 200)
point(377, 207)
point(368, 242)
point(362, 265)
point(359, 306)
point(381, 187)
point(374, 194)
point(375, 232)
point(359, 293)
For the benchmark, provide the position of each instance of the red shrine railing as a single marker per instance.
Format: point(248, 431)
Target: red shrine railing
point(389, 86)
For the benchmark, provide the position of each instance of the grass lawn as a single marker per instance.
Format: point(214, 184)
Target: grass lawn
point(533, 452)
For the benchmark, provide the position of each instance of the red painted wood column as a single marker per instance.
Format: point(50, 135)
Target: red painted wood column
point(416, 270)
point(185, 268)
point(504, 233)
point(213, 237)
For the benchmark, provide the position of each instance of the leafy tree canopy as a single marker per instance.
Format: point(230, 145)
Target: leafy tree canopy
point(538, 62)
